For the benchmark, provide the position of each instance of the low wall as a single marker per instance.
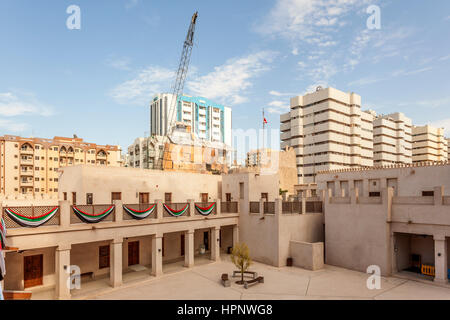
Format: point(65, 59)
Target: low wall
point(307, 255)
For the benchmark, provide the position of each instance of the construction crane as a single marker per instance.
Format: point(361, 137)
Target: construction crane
point(178, 86)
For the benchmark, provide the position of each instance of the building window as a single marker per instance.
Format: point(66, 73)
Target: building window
point(374, 194)
point(116, 196)
point(65, 195)
point(168, 197)
point(427, 193)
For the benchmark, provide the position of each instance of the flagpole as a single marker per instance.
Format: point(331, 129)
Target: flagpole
point(264, 127)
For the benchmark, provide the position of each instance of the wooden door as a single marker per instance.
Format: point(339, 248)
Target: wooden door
point(103, 257)
point(144, 197)
point(116, 196)
point(74, 198)
point(182, 245)
point(133, 253)
point(265, 196)
point(204, 197)
point(228, 197)
point(167, 197)
point(33, 270)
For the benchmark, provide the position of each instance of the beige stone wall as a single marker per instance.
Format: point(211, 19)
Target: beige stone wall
point(307, 255)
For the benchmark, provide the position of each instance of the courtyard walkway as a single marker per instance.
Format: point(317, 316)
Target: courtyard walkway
point(203, 283)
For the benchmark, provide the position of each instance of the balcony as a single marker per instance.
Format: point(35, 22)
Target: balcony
point(26, 183)
point(26, 151)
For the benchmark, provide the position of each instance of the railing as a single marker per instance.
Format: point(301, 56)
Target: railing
point(229, 207)
point(314, 207)
point(176, 207)
point(254, 207)
point(205, 205)
point(91, 210)
point(269, 207)
point(291, 207)
point(22, 217)
point(140, 208)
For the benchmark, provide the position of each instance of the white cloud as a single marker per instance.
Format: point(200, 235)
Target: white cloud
point(444, 123)
point(410, 72)
point(120, 63)
point(141, 89)
point(14, 126)
point(22, 104)
point(294, 51)
point(131, 4)
point(228, 83)
point(278, 107)
point(280, 94)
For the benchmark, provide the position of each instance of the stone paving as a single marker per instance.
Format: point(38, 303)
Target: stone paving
point(203, 283)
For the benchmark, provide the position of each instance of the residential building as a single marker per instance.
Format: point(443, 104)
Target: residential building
point(448, 148)
point(183, 152)
point(429, 144)
point(392, 140)
point(328, 130)
point(394, 217)
point(208, 120)
point(30, 165)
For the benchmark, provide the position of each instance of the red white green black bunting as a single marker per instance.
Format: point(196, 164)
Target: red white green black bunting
point(92, 218)
point(176, 213)
point(139, 215)
point(31, 222)
point(207, 210)
point(2, 234)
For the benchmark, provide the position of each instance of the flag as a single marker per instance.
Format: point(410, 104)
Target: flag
point(265, 121)
point(2, 234)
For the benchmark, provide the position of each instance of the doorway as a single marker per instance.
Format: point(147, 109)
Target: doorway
point(33, 270)
point(204, 197)
point(206, 240)
point(182, 245)
point(133, 253)
point(144, 197)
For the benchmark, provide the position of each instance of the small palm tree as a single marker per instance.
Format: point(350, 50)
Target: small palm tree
point(240, 256)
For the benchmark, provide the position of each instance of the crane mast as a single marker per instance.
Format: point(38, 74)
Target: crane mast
point(178, 86)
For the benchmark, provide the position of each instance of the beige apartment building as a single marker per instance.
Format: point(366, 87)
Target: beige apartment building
point(429, 144)
point(392, 140)
point(30, 165)
point(328, 131)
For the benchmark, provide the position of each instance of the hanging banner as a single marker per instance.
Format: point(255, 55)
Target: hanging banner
point(176, 213)
point(139, 215)
point(31, 222)
point(2, 234)
point(207, 210)
point(92, 218)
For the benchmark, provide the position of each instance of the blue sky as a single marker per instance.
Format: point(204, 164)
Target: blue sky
point(96, 82)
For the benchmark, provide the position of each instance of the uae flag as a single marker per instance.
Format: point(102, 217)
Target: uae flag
point(265, 121)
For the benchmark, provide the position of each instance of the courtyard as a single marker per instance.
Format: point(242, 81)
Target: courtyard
point(202, 282)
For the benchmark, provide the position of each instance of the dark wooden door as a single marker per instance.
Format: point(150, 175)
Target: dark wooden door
point(204, 197)
point(103, 257)
point(182, 245)
point(206, 240)
point(33, 270)
point(228, 196)
point(167, 197)
point(133, 253)
point(74, 198)
point(144, 197)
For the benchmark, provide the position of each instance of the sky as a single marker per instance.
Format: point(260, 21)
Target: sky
point(97, 81)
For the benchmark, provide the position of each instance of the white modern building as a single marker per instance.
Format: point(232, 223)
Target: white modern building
point(208, 120)
point(328, 131)
point(429, 144)
point(392, 141)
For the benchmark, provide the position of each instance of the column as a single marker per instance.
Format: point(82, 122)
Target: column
point(261, 207)
point(191, 208)
point(62, 267)
point(438, 194)
point(64, 213)
point(215, 243)
point(304, 202)
point(189, 249)
point(235, 234)
point(159, 209)
point(115, 270)
point(440, 258)
point(278, 206)
point(157, 255)
point(218, 207)
point(118, 216)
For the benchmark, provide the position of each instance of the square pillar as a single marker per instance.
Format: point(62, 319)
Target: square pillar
point(62, 269)
point(218, 207)
point(115, 270)
point(118, 211)
point(438, 195)
point(189, 249)
point(159, 209)
point(64, 213)
point(157, 255)
point(278, 206)
point(215, 245)
point(191, 211)
point(261, 207)
point(440, 258)
point(235, 235)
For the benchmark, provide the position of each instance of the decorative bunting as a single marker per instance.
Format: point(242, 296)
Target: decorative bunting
point(139, 215)
point(207, 210)
point(31, 222)
point(92, 218)
point(2, 234)
point(176, 213)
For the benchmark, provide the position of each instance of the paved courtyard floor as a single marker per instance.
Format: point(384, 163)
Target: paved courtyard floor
point(203, 283)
